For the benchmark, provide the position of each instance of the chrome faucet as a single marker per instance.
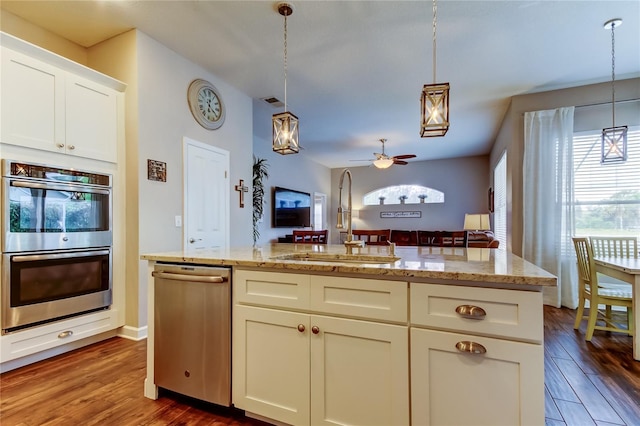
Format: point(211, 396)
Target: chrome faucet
point(349, 243)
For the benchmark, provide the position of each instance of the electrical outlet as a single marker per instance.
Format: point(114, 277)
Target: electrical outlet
point(178, 221)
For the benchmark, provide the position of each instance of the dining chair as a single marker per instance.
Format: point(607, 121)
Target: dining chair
point(310, 237)
point(453, 238)
point(590, 290)
point(615, 246)
point(373, 237)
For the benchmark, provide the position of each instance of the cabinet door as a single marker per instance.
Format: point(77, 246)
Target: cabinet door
point(271, 363)
point(91, 119)
point(32, 102)
point(504, 386)
point(359, 372)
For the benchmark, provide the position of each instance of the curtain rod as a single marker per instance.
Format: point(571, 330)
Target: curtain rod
point(624, 101)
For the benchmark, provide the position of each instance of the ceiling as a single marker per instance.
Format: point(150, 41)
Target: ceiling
point(356, 68)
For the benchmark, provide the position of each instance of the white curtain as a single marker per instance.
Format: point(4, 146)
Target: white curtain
point(548, 201)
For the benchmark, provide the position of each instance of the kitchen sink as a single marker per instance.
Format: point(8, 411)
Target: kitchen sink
point(339, 258)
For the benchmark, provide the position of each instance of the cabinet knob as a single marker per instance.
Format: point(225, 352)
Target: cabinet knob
point(301, 328)
point(315, 329)
point(471, 347)
point(60, 145)
point(71, 147)
point(471, 312)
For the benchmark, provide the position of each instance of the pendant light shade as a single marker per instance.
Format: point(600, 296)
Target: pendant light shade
point(285, 133)
point(285, 124)
point(614, 138)
point(434, 100)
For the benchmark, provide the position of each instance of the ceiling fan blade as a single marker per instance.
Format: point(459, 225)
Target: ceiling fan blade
point(363, 160)
point(400, 162)
point(405, 156)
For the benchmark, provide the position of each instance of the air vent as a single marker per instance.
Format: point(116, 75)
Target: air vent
point(273, 101)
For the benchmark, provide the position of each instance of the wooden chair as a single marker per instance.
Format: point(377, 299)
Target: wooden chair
point(615, 246)
point(310, 237)
point(373, 237)
point(428, 238)
point(590, 290)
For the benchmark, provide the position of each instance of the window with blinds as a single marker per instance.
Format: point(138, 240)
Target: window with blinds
point(607, 196)
point(500, 201)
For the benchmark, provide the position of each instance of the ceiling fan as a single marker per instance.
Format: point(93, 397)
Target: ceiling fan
point(383, 161)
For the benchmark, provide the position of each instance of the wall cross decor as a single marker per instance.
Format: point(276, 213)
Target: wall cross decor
point(241, 189)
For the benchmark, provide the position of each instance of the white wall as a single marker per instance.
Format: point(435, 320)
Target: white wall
point(464, 182)
point(164, 119)
point(294, 171)
point(511, 135)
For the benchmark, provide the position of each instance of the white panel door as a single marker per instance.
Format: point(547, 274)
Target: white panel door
point(206, 193)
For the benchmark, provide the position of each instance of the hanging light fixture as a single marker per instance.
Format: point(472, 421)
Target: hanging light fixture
point(434, 101)
point(614, 139)
point(285, 124)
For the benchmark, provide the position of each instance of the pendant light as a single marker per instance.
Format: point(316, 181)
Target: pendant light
point(614, 139)
point(434, 101)
point(285, 124)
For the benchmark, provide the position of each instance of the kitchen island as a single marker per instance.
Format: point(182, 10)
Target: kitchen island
point(425, 335)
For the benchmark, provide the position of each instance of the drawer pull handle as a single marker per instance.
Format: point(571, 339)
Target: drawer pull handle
point(315, 329)
point(471, 347)
point(65, 334)
point(471, 312)
point(301, 328)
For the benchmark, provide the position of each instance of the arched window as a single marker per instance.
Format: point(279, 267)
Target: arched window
point(413, 194)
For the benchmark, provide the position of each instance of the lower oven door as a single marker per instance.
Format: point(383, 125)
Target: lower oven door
point(39, 287)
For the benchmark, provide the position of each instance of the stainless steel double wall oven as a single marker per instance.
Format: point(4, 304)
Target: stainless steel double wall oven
point(56, 243)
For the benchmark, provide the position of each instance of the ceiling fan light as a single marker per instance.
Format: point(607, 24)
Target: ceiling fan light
point(383, 163)
point(434, 105)
point(285, 133)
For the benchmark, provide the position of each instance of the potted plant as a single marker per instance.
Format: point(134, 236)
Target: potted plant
point(260, 172)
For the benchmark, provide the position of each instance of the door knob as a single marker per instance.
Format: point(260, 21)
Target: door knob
point(315, 329)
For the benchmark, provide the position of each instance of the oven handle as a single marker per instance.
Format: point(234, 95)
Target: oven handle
point(52, 256)
point(57, 187)
point(189, 278)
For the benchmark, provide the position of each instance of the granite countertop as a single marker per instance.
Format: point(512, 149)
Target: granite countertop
point(415, 263)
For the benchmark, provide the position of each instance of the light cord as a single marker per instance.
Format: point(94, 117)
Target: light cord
point(613, 74)
point(435, 15)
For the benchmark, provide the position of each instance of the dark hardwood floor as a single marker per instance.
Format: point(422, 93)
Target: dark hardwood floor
point(595, 383)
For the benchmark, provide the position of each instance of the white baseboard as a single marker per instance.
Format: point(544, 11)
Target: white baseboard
point(133, 333)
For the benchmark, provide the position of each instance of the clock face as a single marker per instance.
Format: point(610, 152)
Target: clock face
point(206, 104)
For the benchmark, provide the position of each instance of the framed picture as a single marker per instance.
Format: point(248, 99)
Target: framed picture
point(157, 170)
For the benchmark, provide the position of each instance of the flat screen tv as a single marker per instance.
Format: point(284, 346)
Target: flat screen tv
point(291, 208)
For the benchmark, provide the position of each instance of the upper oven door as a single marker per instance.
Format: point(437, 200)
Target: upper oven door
point(40, 215)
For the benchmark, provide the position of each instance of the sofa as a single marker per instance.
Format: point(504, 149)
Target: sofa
point(481, 239)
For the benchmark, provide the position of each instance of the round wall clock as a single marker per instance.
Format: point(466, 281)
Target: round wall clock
point(206, 104)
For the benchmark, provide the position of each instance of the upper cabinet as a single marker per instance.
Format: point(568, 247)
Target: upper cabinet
point(53, 104)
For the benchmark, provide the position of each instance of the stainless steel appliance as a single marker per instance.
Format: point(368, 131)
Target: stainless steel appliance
point(50, 208)
point(192, 331)
point(56, 243)
point(44, 286)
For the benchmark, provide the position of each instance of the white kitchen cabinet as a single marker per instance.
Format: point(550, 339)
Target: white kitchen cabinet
point(300, 365)
point(503, 386)
point(49, 108)
point(476, 356)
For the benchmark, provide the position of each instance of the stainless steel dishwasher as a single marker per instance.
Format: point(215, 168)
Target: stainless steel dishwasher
point(192, 337)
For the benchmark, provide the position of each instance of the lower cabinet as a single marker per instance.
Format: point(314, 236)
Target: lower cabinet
point(460, 379)
point(302, 369)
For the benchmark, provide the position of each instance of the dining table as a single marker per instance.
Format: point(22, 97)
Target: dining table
point(625, 269)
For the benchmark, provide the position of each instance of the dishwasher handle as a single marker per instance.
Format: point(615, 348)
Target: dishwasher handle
point(189, 277)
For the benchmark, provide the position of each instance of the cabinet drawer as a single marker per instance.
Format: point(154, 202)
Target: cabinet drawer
point(359, 297)
point(37, 339)
point(509, 313)
point(271, 289)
